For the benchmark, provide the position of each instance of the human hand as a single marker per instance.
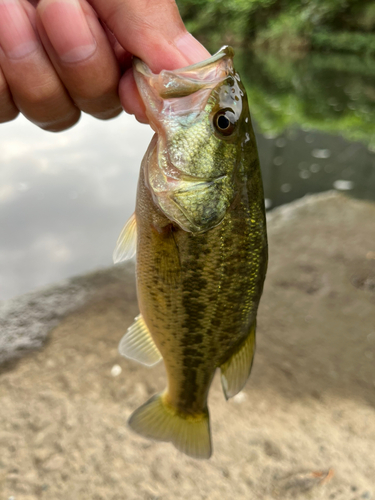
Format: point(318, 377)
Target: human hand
point(61, 57)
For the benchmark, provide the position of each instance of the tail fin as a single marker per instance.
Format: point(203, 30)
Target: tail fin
point(158, 420)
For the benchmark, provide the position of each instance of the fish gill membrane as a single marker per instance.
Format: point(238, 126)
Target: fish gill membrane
point(199, 231)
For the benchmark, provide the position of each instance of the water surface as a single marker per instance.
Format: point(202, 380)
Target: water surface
point(64, 198)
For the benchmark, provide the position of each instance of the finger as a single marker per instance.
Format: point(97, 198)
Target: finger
point(35, 87)
point(130, 98)
point(124, 58)
point(81, 54)
point(153, 31)
point(8, 110)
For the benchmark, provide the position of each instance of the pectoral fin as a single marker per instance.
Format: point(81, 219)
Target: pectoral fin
point(138, 344)
point(236, 371)
point(166, 255)
point(126, 245)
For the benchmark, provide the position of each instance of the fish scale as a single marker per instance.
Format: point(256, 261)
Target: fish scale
point(201, 246)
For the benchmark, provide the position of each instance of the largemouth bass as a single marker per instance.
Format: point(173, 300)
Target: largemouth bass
point(199, 230)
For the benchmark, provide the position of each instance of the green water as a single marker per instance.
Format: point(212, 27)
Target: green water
point(315, 122)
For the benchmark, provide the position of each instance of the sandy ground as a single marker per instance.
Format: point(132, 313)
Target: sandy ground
point(304, 427)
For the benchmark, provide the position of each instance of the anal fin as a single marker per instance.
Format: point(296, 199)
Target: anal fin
point(126, 245)
point(138, 344)
point(236, 371)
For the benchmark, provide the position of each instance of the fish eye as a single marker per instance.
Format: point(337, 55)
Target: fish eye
point(224, 122)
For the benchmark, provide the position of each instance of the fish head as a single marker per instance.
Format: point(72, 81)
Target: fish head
point(201, 117)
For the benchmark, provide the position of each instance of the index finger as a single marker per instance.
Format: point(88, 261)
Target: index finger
point(151, 30)
point(154, 32)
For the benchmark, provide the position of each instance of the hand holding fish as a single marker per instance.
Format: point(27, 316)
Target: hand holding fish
point(61, 57)
point(199, 227)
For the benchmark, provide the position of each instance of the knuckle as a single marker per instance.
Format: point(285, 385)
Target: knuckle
point(107, 114)
point(41, 4)
point(103, 90)
point(4, 90)
point(100, 103)
point(63, 123)
point(8, 110)
point(41, 94)
point(114, 12)
point(7, 115)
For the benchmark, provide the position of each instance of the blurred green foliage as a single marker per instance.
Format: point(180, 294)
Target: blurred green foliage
point(363, 43)
point(339, 25)
point(330, 93)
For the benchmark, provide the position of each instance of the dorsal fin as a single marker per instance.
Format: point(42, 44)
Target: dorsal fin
point(236, 370)
point(126, 245)
point(138, 344)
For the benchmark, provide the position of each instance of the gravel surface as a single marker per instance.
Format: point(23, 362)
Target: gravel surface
point(303, 428)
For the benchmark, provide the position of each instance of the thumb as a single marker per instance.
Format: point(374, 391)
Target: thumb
point(151, 30)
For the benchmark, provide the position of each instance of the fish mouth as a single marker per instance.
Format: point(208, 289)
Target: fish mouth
point(171, 84)
point(225, 52)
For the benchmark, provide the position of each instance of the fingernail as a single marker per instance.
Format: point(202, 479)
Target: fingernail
point(17, 37)
point(67, 30)
point(193, 51)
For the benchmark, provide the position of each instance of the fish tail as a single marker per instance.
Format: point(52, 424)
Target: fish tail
point(158, 419)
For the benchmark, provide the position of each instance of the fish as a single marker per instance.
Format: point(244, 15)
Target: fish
point(200, 239)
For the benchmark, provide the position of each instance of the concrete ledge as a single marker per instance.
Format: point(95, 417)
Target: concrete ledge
point(25, 321)
point(304, 427)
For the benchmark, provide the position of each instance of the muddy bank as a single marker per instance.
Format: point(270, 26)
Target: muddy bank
point(304, 427)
